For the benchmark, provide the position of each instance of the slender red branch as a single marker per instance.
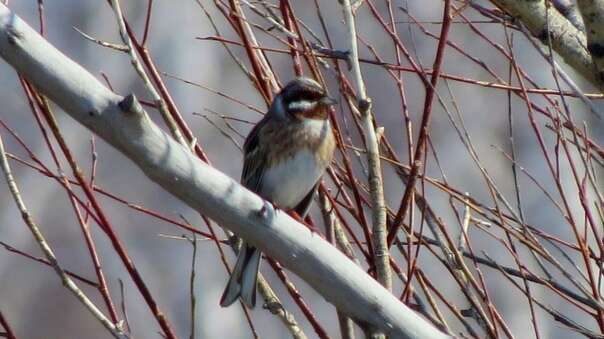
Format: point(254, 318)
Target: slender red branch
point(261, 77)
point(147, 23)
point(47, 263)
point(102, 283)
point(9, 331)
point(107, 227)
point(298, 299)
point(425, 123)
point(287, 18)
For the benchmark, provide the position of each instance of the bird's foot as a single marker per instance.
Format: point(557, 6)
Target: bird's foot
point(304, 222)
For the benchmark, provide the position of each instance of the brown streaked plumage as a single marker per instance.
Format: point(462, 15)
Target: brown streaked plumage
point(285, 155)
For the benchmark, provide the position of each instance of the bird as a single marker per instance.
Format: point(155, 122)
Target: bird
point(285, 155)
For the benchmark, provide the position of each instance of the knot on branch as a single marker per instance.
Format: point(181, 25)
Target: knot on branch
point(334, 53)
point(267, 211)
point(233, 240)
point(348, 57)
point(380, 253)
point(13, 35)
point(274, 307)
point(468, 313)
point(417, 164)
point(364, 105)
point(130, 105)
point(121, 326)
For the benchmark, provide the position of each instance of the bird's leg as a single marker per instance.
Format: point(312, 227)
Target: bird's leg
point(306, 222)
point(311, 225)
point(296, 216)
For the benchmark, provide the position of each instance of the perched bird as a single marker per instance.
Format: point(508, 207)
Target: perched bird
point(285, 155)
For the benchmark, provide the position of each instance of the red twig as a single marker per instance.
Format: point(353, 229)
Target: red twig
point(425, 123)
point(298, 299)
point(41, 17)
point(261, 77)
point(9, 331)
point(147, 22)
point(287, 18)
point(45, 262)
point(102, 283)
point(107, 227)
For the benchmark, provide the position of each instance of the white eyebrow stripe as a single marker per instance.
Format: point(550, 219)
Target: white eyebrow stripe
point(301, 105)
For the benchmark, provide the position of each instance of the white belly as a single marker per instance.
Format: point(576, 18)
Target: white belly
point(291, 180)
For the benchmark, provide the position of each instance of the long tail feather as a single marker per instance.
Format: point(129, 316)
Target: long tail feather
point(249, 278)
point(242, 282)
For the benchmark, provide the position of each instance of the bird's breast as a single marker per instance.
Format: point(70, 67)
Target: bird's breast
point(287, 182)
point(297, 162)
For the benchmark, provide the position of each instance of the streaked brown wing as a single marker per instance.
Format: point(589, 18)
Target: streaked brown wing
point(254, 160)
point(304, 205)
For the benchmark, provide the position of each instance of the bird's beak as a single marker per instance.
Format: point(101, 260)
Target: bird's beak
point(328, 101)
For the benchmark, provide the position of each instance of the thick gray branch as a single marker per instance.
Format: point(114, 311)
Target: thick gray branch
point(122, 123)
point(567, 40)
point(593, 17)
point(569, 10)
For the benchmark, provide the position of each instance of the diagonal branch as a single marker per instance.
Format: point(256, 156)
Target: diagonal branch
point(122, 123)
point(9, 331)
point(114, 329)
point(569, 42)
point(592, 12)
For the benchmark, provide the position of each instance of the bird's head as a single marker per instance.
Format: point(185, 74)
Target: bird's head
point(302, 98)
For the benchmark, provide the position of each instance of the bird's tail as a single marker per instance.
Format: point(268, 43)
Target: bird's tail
point(244, 277)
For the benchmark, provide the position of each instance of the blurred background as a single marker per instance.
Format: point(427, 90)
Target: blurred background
point(38, 306)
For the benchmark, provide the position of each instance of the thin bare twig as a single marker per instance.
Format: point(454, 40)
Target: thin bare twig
point(114, 329)
point(376, 186)
point(9, 333)
point(161, 104)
